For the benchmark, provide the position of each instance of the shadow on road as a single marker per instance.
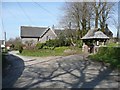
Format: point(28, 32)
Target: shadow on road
point(63, 73)
point(47, 75)
point(13, 72)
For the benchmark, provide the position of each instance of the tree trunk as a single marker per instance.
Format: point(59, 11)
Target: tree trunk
point(78, 30)
point(96, 19)
point(89, 27)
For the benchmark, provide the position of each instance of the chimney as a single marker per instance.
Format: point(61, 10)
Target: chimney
point(69, 25)
point(53, 27)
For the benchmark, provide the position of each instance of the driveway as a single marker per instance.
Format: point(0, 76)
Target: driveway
point(74, 71)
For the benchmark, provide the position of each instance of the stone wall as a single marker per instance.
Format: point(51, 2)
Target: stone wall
point(33, 40)
point(49, 35)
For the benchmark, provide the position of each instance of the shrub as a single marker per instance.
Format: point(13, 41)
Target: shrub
point(79, 43)
point(57, 43)
point(54, 43)
point(45, 47)
point(51, 43)
point(67, 42)
point(108, 55)
point(112, 44)
point(12, 46)
point(20, 49)
point(40, 45)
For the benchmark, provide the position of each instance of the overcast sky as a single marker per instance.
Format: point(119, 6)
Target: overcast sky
point(16, 14)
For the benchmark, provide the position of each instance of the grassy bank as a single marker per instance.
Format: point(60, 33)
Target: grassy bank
point(58, 51)
point(109, 55)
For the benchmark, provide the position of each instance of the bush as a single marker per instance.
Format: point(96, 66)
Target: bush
point(67, 42)
point(58, 43)
point(52, 43)
point(12, 46)
point(79, 43)
point(40, 45)
point(108, 55)
point(112, 44)
point(20, 49)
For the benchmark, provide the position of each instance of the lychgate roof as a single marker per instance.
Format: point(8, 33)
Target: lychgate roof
point(100, 35)
point(95, 34)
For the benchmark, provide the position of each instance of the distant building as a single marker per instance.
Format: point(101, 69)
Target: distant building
point(42, 34)
point(2, 45)
point(36, 34)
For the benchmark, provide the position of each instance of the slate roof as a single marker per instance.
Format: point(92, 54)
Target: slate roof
point(95, 34)
point(100, 35)
point(28, 31)
point(59, 31)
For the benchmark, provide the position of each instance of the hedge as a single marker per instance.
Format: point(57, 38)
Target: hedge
point(108, 55)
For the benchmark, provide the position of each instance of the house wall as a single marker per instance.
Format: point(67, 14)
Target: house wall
point(49, 35)
point(33, 40)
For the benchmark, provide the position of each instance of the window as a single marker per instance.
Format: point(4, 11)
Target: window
point(47, 37)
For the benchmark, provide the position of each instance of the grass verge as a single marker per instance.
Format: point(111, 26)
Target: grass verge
point(58, 51)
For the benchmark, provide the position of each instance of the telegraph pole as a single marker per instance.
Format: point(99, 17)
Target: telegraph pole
point(5, 38)
point(118, 33)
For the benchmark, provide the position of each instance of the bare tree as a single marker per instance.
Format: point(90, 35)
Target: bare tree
point(14, 41)
point(79, 14)
point(105, 14)
point(118, 31)
point(98, 7)
point(116, 23)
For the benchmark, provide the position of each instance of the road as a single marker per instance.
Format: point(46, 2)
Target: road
point(74, 71)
